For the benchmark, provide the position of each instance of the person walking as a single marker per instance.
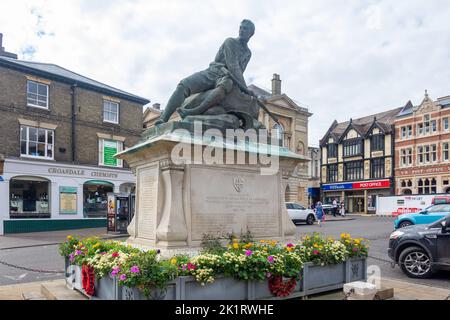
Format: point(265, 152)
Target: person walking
point(342, 209)
point(320, 215)
point(335, 207)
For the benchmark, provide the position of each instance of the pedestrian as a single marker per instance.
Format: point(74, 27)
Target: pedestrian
point(335, 207)
point(342, 209)
point(320, 215)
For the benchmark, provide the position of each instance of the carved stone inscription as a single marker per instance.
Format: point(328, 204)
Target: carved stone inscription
point(148, 191)
point(224, 201)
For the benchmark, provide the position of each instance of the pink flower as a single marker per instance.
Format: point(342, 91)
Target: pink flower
point(123, 277)
point(134, 269)
point(71, 257)
point(115, 271)
point(248, 253)
point(355, 249)
point(78, 252)
point(315, 252)
point(183, 267)
point(270, 259)
point(103, 253)
point(191, 266)
point(268, 274)
point(115, 254)
point(289, 245)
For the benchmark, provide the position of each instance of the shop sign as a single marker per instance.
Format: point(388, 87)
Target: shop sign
point(109, 150)
point(377, 184)
point(1, 179)
point(82, 173)
point(68, 200)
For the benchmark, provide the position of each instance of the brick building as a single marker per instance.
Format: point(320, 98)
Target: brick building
point(422, 161)
point(357, 161)
point(59, 132)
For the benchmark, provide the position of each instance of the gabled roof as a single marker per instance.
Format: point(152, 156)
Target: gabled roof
point(384, 120)
point(53, 71)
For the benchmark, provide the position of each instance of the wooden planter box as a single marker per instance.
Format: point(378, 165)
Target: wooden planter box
point(315, 279)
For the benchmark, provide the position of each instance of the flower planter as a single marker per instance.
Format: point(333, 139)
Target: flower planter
point(315, 279)
point(106, 288)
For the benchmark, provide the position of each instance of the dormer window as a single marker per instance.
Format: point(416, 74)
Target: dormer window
point(377, 142)
point(352, 147)
point(332, 150)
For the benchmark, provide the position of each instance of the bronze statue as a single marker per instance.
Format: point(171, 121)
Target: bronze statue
point(219, 96)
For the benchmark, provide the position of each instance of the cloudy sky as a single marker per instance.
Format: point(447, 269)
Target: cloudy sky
point(339, 58)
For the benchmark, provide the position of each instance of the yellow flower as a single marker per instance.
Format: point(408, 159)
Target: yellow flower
point(315, 245)
point(262, 241)
point(69, 237)
point(357, 241)
point(96, 245)
point(235, 245)
point(173, 261)
point(265, 248)
point(289, 249)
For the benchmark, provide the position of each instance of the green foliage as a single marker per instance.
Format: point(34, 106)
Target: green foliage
point(211, 244)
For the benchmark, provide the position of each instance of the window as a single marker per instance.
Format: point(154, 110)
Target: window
point(445, 126)
point(377, 142)
point(37, 94)
point(352, 147)
point(406, 132)
point(406, 157)
point(426, 154)
point(278, 131)
point(354, 170)
point(107, 150)
point(420, 129)
point(29, 197)
point(445, 151)
point(427, 186)
point(433, 126)
point(36, 142)
point(332, 173)
point(110, 111)
point(426, 124)
point(377, 168)
point(332, 150)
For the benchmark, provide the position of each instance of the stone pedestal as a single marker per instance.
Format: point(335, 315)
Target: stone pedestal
point(178, 201)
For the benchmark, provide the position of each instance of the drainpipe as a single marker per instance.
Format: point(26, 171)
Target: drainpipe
point(74, 118)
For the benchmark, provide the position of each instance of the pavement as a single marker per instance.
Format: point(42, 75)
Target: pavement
point(32, 239)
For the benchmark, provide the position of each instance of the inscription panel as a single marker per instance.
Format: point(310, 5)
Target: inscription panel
point(224, 201)
point(148, 192)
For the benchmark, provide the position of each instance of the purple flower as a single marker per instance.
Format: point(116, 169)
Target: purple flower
point(183, 267)
point(158, 251)
point(115, 271)
point(134, 269)
point(78, 252)
point(123, 277)
point(268, 274)
point(248, 253)
point(289, 245)
point(71, 257)
point(103, 253)
point(270, 259)
point(355, 249)
point(315, 252)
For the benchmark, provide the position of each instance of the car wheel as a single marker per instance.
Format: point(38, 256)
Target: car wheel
point(405, 224)
point(310, 220)
point(416, 263)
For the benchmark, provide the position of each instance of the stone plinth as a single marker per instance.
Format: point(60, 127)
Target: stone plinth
point(179, 199)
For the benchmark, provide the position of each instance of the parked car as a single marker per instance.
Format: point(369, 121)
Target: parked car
point(422, 249)
point(426, 216)
point(299, 213)
point(327, 208)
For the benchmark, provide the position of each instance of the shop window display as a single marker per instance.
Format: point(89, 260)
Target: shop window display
point(29, 198)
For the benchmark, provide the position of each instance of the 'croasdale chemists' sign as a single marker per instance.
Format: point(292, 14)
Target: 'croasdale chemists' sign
point(82, 173)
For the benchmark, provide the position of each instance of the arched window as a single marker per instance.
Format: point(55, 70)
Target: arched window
point(407, 192)
point(95, 198)
point(29, 197)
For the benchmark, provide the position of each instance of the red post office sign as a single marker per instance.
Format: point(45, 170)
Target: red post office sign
point(376, 184)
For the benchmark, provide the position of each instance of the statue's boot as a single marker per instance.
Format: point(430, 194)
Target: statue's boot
point(175, 101)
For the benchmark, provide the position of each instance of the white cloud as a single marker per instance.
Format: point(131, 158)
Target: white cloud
point(343, 59)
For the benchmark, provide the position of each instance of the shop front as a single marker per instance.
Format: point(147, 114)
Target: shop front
point(358, 197)
point(44, 196)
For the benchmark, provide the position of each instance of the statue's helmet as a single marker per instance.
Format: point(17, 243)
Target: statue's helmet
point(250, 24)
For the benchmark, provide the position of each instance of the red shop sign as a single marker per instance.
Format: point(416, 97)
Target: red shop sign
point(372, 184)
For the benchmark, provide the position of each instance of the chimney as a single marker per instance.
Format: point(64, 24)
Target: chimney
point(276, 84)
point(157, 106)
point(2, 50)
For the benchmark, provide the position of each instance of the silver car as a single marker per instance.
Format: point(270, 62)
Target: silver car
point(299, 213)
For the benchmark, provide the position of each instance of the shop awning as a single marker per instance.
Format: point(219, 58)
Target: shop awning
point(99, 182)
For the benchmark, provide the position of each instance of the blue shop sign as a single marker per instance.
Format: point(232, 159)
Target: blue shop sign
point(338, 186)
point(1, 179)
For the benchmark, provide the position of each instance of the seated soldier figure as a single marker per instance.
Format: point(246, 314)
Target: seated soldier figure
point(226, 69)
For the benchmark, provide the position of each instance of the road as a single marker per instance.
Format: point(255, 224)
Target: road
point(375, 229)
